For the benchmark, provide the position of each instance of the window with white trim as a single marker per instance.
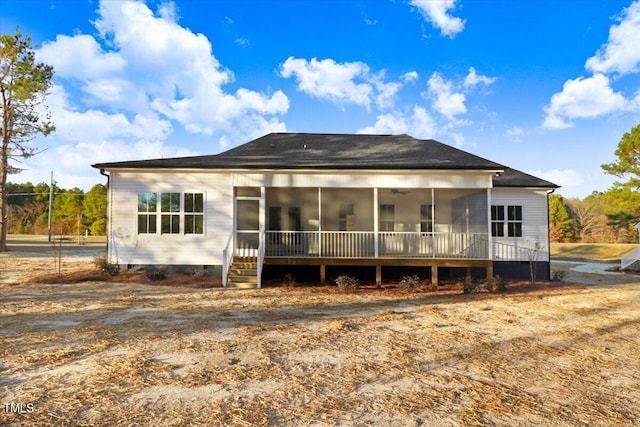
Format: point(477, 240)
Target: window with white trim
point(512, 220)
point(497, 221)
point(170, 213)
point(193, 213)
point(147, 213)
point(426, 218)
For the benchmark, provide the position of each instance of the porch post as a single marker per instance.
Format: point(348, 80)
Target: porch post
point(489, 233)
point(320, 231)
point(433, 223)
point(322, 274)
point(262, 209)
point(376, 237)
point(434, 274)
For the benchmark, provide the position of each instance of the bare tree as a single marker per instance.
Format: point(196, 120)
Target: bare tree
point(24, 84)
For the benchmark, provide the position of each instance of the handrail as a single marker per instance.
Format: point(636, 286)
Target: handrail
point(630, 258)
point(261, 251)
point(227, 258)
point(362, 244)
point(522, 252)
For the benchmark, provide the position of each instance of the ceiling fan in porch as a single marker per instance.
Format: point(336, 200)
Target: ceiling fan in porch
point(396, 191)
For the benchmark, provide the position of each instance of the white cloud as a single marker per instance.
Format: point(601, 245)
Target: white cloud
point(621, 53)
point(178, 70)
point(473, 79)
point(445, 100)
point(583, 98)
point(562, 177)
point(156, 65)
point(80, 57)
point(410, 77)
point(515, 132)
point(419, 124)
point(341, 83)
point(437, 12)
point(119, 93)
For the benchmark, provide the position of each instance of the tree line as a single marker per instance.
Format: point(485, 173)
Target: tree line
point(74, 211)
point(603, 217)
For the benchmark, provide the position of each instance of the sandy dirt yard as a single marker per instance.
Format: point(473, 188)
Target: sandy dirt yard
point(98, 353)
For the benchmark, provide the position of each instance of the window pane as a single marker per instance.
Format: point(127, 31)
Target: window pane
point(515, 229)
point(515, 213)
point(497, 213)
point(142, 224)
point(198, 203)
point(152, 223)
point(497, 229)
point(425, 212)
point(170, 224)
point(387, 212)
point(147, 202)
point(188, 202)
point(170, 202)
point(193, 224)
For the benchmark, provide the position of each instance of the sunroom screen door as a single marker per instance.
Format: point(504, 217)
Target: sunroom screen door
point(247, 227)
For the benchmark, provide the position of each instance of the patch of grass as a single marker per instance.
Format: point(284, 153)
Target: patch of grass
point(590, 251)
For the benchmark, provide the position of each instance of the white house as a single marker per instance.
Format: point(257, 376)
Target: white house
point(326, 200)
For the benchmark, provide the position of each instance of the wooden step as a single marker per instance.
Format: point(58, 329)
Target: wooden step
point(242, 285)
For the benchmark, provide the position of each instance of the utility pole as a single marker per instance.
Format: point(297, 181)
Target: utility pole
point(50, 205)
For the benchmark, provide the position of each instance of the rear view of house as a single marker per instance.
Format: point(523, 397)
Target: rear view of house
point(324, 200)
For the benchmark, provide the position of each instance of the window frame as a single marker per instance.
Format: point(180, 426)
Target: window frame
point(426, 218)
point(507, 218)
point(514, 220)
point(191, 215)
point(147, 214)
point(170, 213)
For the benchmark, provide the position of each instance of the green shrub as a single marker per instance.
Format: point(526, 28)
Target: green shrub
point(345, 282)
point(470, 285)
point(410, 283)
point(105, 266)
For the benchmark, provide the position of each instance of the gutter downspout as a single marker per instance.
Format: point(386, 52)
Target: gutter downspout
point(109, 207)
point(549, 232)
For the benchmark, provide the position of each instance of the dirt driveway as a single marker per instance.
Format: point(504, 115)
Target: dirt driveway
point(131, 354)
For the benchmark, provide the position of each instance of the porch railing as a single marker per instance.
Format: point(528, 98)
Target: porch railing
point(361, 244)
point(227, 258)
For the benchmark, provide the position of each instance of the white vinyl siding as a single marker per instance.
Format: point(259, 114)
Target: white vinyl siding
point(533, 223)
point(126, 246)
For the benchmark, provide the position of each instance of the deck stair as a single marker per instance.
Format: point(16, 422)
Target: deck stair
point(243, 273)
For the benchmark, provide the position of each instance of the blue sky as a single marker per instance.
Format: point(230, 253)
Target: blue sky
point(547, 87)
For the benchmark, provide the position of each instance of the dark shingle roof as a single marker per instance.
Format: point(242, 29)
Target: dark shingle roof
point(333, 151)
point(515, 178)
